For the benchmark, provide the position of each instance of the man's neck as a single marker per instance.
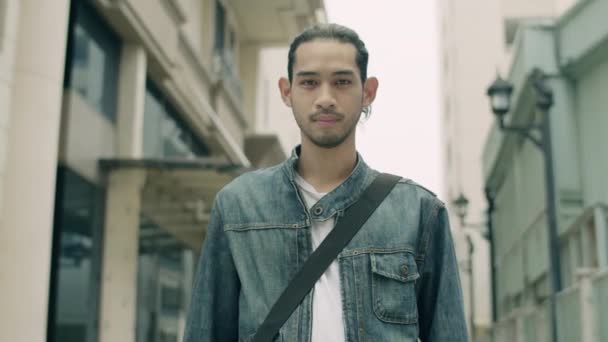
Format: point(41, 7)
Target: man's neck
point(326, 168)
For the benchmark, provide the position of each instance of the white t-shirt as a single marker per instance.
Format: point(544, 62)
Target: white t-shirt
point(327, 321)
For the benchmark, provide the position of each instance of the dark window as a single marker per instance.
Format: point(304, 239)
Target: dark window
point(74, 290)
point(3, 10)
point(232, 40)
point(220, 26)
point(92, 59)
point(170, 300)
point(165, 135)
point(162, 271)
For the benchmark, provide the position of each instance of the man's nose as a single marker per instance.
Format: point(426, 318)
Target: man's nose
point(326, 99)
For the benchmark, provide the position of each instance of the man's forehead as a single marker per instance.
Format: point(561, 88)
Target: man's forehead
point(326, 53)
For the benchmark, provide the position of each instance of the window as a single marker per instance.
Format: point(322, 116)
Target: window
point(165, 135)
point(170, 300)
point(76, 260)
point(3, 10)
point(92, 59)
point(224, 51)
point(232, 39)
point(161, 283)
point(220, 26)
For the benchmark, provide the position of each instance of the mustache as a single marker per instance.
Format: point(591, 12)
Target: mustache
point(316, 115)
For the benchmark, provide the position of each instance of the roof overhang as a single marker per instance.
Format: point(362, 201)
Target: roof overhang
point(264, 150)
point(177, 196)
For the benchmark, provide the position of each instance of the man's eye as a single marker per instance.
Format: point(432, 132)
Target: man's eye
point(308, 83)
point(343, 82)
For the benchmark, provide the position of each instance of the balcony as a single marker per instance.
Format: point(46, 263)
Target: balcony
point(582, 306)
point(275, 21)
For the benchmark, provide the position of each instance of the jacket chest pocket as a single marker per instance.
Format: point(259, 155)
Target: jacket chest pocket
point(393, 290)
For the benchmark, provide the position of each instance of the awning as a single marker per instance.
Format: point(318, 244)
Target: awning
point(177, 196)
point(264, 150)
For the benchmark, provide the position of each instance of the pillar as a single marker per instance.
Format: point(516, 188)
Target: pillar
point(28, 188)
point(118, 315)
point(118, 307)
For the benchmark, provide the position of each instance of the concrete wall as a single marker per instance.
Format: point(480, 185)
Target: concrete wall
point(519, 9)
point(593, 121)
point(8, 41)
point(81, 148)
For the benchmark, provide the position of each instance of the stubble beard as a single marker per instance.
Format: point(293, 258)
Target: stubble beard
point(327, 141)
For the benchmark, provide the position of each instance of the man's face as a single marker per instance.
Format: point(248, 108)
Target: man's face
point(326, 94)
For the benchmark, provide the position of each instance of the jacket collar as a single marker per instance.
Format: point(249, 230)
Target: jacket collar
point(342, 196)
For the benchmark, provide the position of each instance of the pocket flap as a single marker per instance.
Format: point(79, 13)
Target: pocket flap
point(399, 266)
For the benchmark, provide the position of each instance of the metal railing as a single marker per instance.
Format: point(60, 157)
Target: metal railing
point(582, 308)
point(600, 305)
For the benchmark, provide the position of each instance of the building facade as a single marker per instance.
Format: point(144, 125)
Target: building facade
point(572, 50)
point(465, 71)
point(119, 121)
point(505, 183)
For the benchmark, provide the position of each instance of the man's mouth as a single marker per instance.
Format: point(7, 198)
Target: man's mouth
point(325, 120)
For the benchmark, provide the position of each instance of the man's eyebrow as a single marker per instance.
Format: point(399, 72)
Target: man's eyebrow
point(307, 73)
point(344, 72)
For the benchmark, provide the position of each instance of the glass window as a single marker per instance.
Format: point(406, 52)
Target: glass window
point(165, 135)
point(74, 290)
point(92, 59)
point(3, 10)
point(163, 273)
point(220, 26)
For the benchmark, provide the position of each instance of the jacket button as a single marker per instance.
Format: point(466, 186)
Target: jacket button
point(318, 211)
point(405, 270)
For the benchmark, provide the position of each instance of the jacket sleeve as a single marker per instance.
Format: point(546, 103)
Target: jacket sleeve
point(440, 303)
point(213, 313)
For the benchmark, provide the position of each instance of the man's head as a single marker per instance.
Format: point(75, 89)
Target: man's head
point(327, 85)
point(330, 32)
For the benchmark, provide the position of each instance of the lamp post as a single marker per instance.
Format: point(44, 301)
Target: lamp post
point(500, 97)
point(462, 206)
point(490, 224)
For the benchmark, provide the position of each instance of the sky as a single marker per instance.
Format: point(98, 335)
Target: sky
point(402, 136)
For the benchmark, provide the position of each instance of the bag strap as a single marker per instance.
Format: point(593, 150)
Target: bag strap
point(324, 255)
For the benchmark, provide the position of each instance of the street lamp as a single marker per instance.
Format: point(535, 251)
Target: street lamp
point(500, 98)
point(462, 207)
point(461, 203)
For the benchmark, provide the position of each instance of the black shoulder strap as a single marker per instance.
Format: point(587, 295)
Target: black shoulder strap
point(324, 255)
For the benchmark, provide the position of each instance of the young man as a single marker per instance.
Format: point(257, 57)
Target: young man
point(397, 279)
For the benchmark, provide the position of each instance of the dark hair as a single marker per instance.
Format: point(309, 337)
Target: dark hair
point(330, 31)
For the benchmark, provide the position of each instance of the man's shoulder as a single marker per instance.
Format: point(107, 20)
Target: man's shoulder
point(253, 181)
point(421, 192)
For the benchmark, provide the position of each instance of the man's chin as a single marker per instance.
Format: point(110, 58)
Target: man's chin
point(328, 143)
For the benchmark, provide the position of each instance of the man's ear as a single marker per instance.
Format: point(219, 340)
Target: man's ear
point(285, 89)
point(369, 91)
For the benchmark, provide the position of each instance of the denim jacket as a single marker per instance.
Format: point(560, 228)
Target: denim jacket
point(399, 276)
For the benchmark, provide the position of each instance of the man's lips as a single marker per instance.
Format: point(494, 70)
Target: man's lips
point(325, 120)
